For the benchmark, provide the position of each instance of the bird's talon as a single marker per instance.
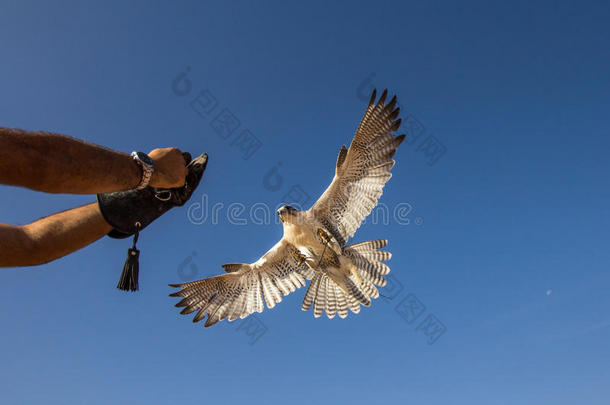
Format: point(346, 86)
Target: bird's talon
point(325, 236)
point(299, 257)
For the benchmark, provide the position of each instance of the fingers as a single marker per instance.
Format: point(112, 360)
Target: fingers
point(170, 168)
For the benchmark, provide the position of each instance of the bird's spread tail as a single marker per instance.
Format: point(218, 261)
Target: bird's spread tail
point(324, 294)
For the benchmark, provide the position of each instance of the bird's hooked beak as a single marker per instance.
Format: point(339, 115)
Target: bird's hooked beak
point(285, 212)
point(281, 212)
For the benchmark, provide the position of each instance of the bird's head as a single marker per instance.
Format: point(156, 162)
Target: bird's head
point(287, 214)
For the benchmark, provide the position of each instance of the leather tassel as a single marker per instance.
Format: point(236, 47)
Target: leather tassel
point(131, 268)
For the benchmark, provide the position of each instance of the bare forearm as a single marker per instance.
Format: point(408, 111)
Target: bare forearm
point(59, 164)
point(51, 237)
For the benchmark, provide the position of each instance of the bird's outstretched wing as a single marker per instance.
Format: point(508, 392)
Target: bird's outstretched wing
point(240, 292)
point(362, 171)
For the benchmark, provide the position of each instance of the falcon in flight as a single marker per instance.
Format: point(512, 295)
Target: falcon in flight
point(313, 246)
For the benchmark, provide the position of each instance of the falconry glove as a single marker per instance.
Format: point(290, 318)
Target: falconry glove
point(129, 212)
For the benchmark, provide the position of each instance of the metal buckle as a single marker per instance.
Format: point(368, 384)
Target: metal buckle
point(163, 195)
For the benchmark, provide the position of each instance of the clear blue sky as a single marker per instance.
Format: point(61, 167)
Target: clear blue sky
point(507, 244)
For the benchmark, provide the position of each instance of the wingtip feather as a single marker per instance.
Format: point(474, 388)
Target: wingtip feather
point(396, 124)
point(373, 97)
point(394, 114)
point(391, 104)
point(383, 97)
point(186, 311)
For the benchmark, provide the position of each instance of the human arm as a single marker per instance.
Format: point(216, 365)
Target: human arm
point(56, 163)
point(57, 235)
point(51, 237)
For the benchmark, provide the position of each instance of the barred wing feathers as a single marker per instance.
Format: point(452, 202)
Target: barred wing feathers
point(241, 291)
point(362, 171)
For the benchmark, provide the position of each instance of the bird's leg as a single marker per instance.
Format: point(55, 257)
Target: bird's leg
point(326, 238)
point(298, 256)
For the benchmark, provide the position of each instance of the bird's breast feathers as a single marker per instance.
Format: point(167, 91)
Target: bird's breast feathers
point(310, 235)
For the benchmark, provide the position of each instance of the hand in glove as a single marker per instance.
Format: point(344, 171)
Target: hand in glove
point(128, 212)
